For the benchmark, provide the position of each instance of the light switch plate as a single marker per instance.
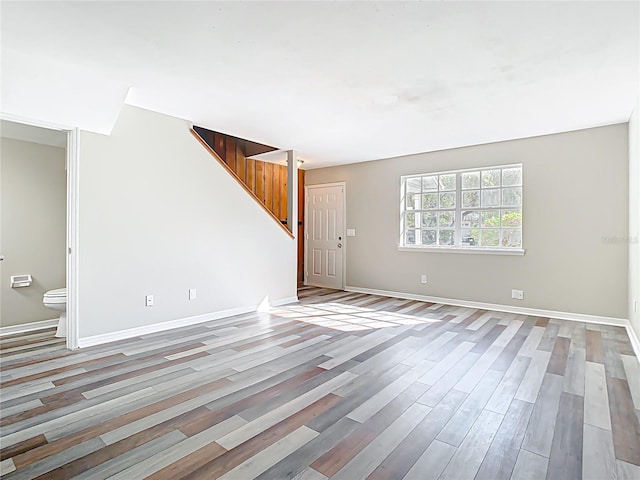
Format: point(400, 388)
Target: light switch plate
point(351, 232)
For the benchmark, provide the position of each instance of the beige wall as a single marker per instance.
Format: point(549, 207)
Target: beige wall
point(634, 219)
point(33, 198)
point(575, 222)
point(159, 215)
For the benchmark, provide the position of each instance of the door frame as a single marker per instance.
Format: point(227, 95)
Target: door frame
point(73, 186)
point(344, 226)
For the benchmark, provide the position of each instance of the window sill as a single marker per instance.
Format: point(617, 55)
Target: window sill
point(470, 250)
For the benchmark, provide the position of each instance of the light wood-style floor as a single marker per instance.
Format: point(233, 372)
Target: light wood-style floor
point(341, 385)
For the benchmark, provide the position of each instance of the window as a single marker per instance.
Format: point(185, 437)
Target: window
point(479, 209)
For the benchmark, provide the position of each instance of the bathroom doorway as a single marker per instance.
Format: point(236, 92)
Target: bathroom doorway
point(38, 205)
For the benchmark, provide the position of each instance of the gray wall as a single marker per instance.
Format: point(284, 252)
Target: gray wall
point(575, 213)
point(159, 215)
point(33, 217)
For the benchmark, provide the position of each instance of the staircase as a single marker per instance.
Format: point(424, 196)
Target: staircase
point(266, 182)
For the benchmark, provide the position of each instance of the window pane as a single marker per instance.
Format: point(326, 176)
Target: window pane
point(429, 237)
point(429, 220)
point(448, 182)
point(429, 183)
point(490, 178)
point(411, 220)
point(471, 199)
point(413, 185)
point(413, 201)
point(512, 197)
point(511, 237)
point(511, 218)
point(470, 237)
point(490, 238)
point(410, 237)
point(448, 200)
point(447, 219)
point(470, 180)
point(490, 218)
point(511, 176)
point(491, 198)
point(429, 200)
point(470, 219)
point(447, 237)
point(409, 199)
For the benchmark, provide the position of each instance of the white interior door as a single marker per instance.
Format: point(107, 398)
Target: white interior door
point(325, 236)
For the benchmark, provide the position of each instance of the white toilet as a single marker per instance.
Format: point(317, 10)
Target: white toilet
point(57, 300)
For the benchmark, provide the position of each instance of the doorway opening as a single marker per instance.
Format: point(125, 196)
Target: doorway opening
point(38, 195)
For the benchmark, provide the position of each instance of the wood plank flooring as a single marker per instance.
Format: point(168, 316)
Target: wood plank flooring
point(341, 385)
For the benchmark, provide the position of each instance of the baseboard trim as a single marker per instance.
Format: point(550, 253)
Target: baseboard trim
point(635, 342)
point(576, 317)
point(160, 327)
point(28, 327)
point(181, 322)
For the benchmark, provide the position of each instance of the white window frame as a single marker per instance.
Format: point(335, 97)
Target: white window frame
point(458, 247)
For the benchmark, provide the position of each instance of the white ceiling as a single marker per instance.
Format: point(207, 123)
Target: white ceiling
point(338, 81)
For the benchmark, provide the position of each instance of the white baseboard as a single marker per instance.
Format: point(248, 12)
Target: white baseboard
point(159, 327)
point(635, 342)
point(28, 327)
point(576, 317)
point(181, 322)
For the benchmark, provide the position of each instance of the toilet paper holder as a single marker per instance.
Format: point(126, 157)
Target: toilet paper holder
point(18, 281)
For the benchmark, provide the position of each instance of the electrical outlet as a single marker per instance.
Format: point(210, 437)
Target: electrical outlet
point(423, 279)
point(148, 301)
point(517, 294)
point(192, 294)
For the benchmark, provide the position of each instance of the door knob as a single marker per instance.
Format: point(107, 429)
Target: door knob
point(339, 245)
